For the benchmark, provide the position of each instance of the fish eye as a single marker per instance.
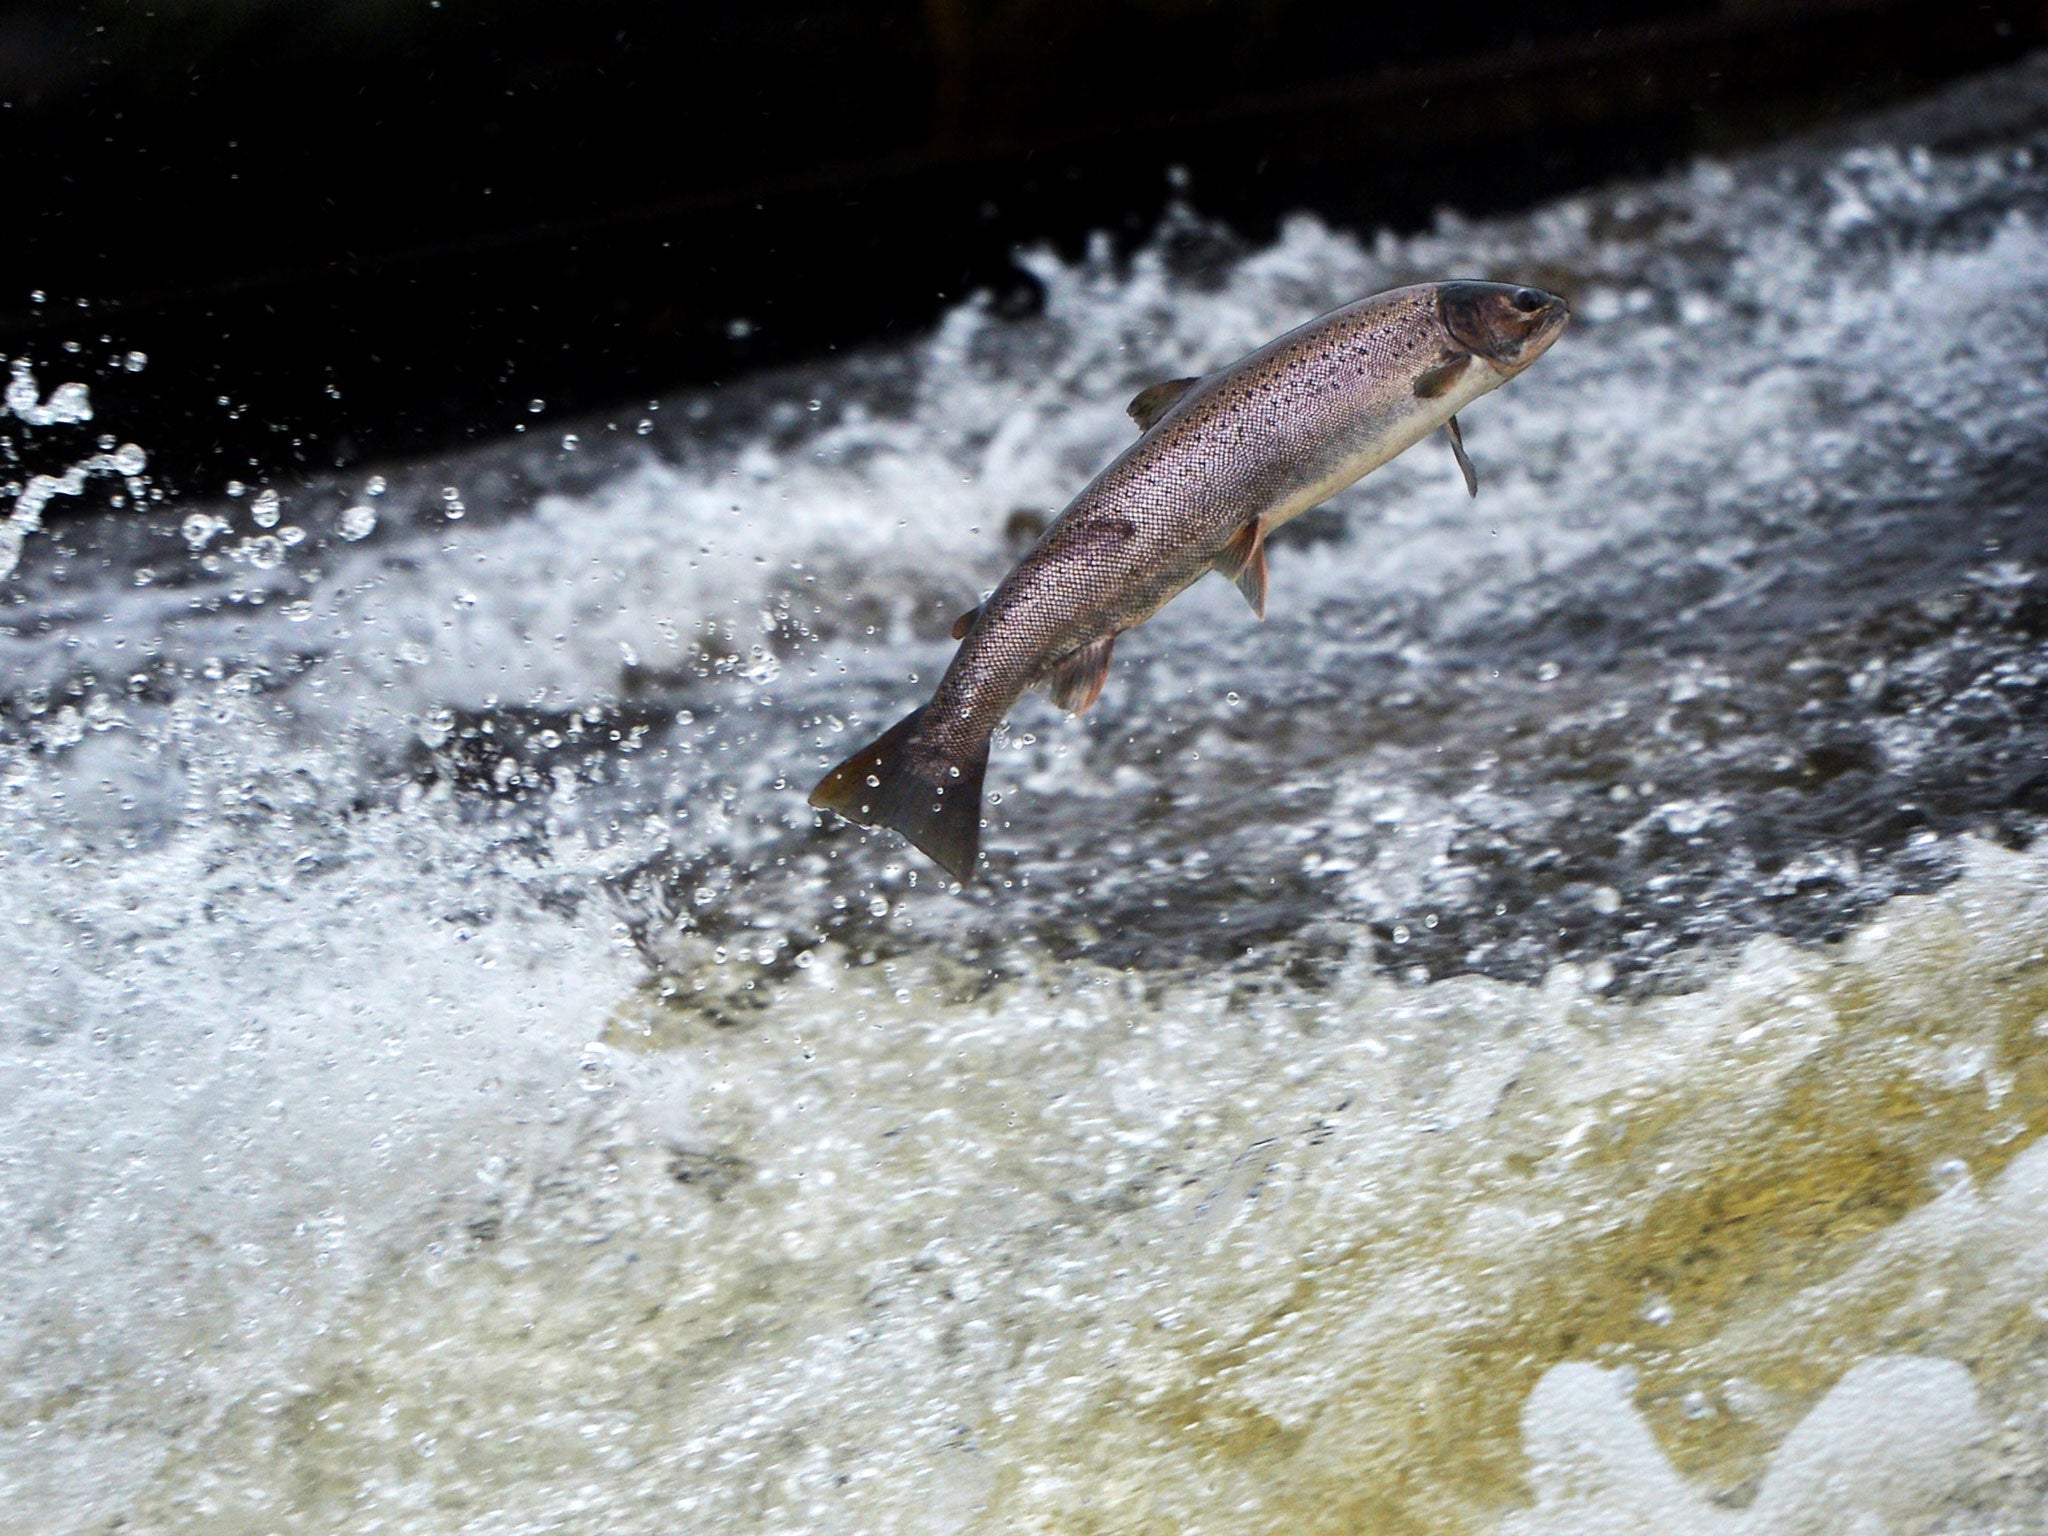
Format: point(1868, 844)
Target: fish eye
point(1528, 300)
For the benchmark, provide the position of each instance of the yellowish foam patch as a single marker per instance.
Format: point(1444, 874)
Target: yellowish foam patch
point(1089, 1253)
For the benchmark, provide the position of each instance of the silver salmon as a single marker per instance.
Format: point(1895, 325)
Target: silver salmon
point(1221, 461)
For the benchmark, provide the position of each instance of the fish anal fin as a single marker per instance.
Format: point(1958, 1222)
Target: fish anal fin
point(1076, 680)
point(883, 786)
point(966, 622)
point(1457, 437)
point(1244, 561)
point(1437, 380)
point(1153, 402)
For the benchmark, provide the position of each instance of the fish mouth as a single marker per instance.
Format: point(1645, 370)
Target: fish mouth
point(1551, 320)
point(1508, 324)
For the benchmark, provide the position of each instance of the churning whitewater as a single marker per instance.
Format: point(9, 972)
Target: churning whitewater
point(1551, 1038)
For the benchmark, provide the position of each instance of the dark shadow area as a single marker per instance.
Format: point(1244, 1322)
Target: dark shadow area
point(351, 231)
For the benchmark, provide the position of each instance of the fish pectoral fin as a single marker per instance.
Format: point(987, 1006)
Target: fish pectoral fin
point(966, 622)
point(1076, 680)
point(1435, 381)
point(1457, 437)
point(1244, 561)
point(1151, 403)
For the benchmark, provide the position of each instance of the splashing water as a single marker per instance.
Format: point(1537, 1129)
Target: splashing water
point(1545, 1034)
point(67, 405)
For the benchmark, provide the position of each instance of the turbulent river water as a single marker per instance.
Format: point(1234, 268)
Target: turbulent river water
point(1546, 1034)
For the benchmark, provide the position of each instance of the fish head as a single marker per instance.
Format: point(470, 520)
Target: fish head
point(1506, 324)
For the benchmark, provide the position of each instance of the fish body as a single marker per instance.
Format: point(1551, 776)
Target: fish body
point(1221, 462)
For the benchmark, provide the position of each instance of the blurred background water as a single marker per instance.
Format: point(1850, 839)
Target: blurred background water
point(1547, 1033)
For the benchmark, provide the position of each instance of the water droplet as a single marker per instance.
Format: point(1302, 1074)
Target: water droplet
point(201, 529)
point(374, 486)
point(135, 362)
point(644, 426)
point(357, 523)
point(571, 442)
point(435, 728)
point(815, 405)
point(68, 405)
point(536, 406)
point(1400, 933)
point(265, 509)
point(264, 552)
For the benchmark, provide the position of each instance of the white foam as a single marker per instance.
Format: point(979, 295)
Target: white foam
point(897, 1254)
point(239, 1068)
point(1882, 1449)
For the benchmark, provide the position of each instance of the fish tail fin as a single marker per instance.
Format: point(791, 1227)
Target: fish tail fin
point(878, 787)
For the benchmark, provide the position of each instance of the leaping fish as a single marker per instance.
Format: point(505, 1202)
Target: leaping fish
point(1221, 461)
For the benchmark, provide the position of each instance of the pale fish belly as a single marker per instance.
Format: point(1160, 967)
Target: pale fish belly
point(1353, 459)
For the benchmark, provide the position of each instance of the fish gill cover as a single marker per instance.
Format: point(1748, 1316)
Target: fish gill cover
point(1394, 1077)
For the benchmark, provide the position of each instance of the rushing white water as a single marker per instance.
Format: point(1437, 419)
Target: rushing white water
point(1546, 1034)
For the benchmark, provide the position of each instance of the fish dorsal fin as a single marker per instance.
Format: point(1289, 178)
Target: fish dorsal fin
point(966, 622)
point(1457, 438)
point(1148, 405)
point(1440, 378)
point(1075, 682)
point(1244, 561)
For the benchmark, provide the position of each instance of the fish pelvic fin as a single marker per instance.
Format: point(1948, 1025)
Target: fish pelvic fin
point(1076, 680)
point(966, 622)
point(941, 816)
point(1244, 561)
point(1149, 404)
point(1457, 437)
